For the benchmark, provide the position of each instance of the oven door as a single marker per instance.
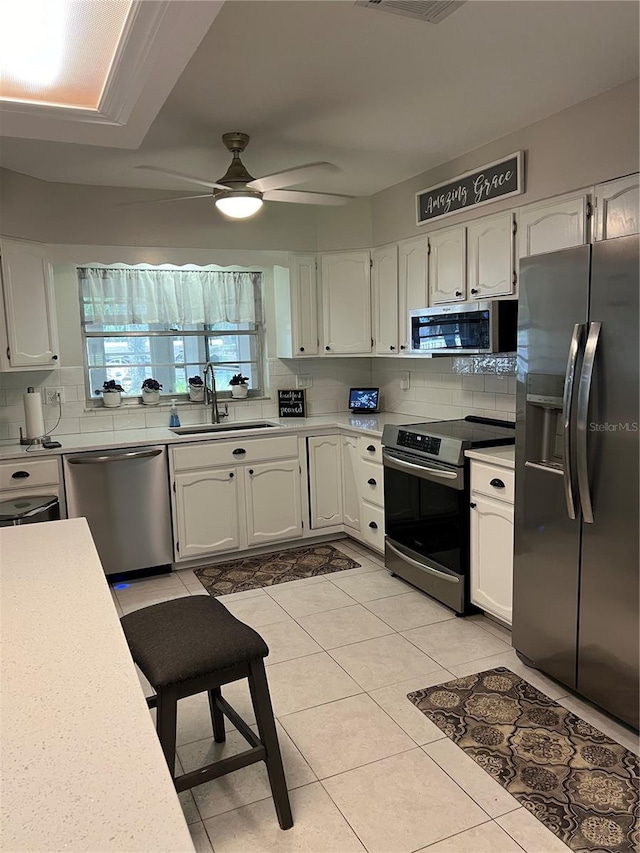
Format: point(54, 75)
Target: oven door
point(427, 526)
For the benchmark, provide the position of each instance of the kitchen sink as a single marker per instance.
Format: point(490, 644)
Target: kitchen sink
point(204, 428)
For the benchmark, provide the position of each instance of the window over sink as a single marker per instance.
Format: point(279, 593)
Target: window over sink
point(167, 322)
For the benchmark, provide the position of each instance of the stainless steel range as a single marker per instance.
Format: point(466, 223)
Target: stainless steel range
point(426, 500)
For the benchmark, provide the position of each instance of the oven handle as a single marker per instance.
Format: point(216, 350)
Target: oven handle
point(445, 576)
point(425, 472)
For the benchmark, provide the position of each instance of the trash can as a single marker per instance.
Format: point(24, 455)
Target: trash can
point(29, 510)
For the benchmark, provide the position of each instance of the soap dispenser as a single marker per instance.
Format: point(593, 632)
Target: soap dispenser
point(174, 420)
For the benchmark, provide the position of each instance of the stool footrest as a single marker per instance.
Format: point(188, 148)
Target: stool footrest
point(234, 717)
point(219, 768)
point(152, 701)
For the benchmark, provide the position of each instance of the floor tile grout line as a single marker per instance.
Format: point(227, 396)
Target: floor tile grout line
point(442, 665)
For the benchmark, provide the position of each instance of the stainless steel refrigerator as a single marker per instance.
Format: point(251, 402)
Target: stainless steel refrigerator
point(575, 608)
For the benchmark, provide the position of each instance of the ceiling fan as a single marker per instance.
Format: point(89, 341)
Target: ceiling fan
point(239, 195)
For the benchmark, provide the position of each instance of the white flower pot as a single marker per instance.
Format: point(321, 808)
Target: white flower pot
point(239, 391)
point(150, 398)
point(196, 393)
point(111, 399)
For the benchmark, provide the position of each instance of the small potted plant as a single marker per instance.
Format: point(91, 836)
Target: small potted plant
point(111, 393)
point(196, 389)
point(239, 387)
point(151, 392)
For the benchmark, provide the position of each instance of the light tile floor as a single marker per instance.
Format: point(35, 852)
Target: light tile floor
point(366, 770)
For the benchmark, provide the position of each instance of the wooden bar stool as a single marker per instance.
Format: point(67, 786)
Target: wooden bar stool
point(189, 645)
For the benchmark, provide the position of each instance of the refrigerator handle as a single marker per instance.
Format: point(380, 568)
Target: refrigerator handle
point(584, 394)
point(567, 414)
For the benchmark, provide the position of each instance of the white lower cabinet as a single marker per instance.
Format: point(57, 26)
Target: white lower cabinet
point(350, 492)
point(219, 508)
point(325, 480)
point(208, 512)
point(492, 546)
point(274, 508)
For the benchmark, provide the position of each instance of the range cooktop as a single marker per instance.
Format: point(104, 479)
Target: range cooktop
point(446, 441)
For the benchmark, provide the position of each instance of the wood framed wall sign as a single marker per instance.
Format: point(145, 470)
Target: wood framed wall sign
point(500, 179)
point(291, 404)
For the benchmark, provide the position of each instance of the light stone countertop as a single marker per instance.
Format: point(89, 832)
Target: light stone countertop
point(503, 456)
point(364, 424)
point(82, 769)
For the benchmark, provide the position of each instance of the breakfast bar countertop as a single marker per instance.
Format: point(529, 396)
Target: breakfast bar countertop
point(82, 768)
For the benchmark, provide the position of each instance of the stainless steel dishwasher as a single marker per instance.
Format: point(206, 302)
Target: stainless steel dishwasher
point(124, 495)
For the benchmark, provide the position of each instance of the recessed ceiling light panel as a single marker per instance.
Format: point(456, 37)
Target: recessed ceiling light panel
point(59, 52)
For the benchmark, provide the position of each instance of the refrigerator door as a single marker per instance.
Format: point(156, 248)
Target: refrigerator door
point(553, 302)
point(608, 624)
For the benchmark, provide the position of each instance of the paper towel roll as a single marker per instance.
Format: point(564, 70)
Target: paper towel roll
point(34, 420)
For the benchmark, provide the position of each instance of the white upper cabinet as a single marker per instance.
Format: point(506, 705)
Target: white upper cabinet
point(552, 225)
point(31, 337)
point(413, 277)
point(296, 304)
point(346, 302)
point(447, 265)
point(385, 300)
point(617, 208)
point(490, 257)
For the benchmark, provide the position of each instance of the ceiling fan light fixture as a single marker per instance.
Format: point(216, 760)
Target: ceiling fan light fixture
point(240, 204)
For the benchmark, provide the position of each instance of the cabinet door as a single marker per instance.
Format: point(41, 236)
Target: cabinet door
point(492, 555)
point(274, 507)
point(617, 208)
point(346, 303)
point(350, 491)
point(552, 225)
point(325, 480)
point(412, 283)
point(32, 340)
point(490, 257)
point(207, 512)
point(305, 305)
point(385, 300)
point(447, 266)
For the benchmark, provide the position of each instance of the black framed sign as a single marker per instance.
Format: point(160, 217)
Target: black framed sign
point(500, 179)
point(291, 404)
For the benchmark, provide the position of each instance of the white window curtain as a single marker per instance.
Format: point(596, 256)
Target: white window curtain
point(117, 296)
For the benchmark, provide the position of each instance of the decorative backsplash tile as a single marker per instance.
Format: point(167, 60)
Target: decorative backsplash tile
point(489, 364)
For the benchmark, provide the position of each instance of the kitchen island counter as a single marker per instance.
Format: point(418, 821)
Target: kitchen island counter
point(82, 768)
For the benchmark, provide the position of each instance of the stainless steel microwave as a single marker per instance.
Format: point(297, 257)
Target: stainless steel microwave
point(467, 328)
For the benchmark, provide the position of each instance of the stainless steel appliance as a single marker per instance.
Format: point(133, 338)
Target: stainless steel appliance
point(124, 495)
point(471, 327)
point(575, 609)
point(426, 502)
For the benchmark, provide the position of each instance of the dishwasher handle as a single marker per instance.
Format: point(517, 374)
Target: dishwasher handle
point(91, 459)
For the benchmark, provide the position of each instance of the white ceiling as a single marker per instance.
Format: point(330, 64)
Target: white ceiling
point(381, 96)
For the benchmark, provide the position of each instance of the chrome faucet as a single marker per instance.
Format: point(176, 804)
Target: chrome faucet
point(211, 395)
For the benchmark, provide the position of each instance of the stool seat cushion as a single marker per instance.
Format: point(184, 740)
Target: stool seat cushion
point(188, 637)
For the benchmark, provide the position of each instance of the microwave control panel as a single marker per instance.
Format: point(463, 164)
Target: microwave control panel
point(415, 441)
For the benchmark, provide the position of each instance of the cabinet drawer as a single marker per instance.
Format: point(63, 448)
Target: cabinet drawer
point(207, 454)
point(373, 526)
point(370, 448)
point(371, 482)
point(25, 475)
point(493, 480)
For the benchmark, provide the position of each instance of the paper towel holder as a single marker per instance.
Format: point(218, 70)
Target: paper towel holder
point(41, 439)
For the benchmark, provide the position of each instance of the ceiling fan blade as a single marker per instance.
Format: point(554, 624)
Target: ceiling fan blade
point(306, 198)
point(183, 177)
point(291, 177)
point(162, 200)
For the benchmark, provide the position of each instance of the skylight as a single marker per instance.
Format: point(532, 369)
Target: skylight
point(59, 52)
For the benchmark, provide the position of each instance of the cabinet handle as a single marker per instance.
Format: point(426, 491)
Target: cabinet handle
point(54, 357)
point(402, 346)
point(392, 348)
point(458, 293)
point(20, 475)
point(474, 290)
point(371, 448)
point(251, 470)
point(372, 482)
point(301, 349)
point(327, 348)
point(496, 483)
point(472, 505)
point(373, 525)
point(231, 475)
point(239, 451)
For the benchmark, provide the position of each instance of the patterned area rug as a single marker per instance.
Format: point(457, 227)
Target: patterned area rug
point(275, 567)
point(578, 782)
